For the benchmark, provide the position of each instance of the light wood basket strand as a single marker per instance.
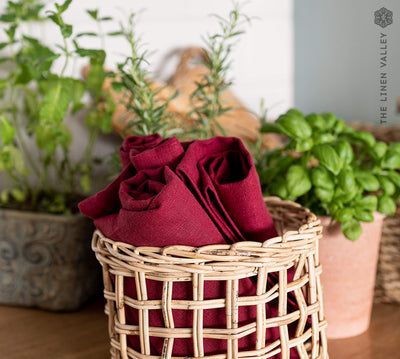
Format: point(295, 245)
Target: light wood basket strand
point(296, 247)
point(387, 286)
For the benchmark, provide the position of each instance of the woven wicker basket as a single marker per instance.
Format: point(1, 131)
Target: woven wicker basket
point(296, 249)
point(387, 287)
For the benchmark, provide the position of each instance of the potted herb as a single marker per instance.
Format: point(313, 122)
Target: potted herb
point(45, 259)
point(350, 180)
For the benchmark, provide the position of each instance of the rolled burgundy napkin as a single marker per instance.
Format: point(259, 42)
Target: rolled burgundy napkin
point(221, 172)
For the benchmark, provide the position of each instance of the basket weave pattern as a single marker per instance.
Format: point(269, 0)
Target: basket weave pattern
point(296, 248)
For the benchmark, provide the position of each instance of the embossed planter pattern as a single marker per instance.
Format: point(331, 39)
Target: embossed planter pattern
point(46, 261)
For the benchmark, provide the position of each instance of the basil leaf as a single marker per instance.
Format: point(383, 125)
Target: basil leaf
point(297, 181)
point(328, 157)
point(346, 181)
point(368, 202)
point(295, 112)
point(364, 216)
point(294, 126)
point(367, 181)
point(321, 177)
point(320, 138)
point(386, 205)
point(330, 119)
point(391, 160)
point(394, 177)
point(339, 126)
point(344, 214)
point(316, 121)
point(351, 229)
point(304, 145)
point(324, 194)
point(387, 185)
point(279, 189)
point(365, 137)
point(379, 149)
point(345, 152)
point(267, 127)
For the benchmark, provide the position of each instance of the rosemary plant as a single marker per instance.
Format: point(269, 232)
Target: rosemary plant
point(208, 96)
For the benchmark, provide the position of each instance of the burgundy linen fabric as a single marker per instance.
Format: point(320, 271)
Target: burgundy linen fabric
point(134, 145)
point(193, 193)
point(222, 174)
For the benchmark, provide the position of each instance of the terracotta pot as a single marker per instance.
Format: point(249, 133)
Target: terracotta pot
point(348, 277)
point(46, 261)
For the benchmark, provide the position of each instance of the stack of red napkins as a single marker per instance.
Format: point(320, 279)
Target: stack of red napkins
point(191, 193)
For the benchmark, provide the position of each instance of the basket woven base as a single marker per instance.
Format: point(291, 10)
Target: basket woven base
point(301, 331)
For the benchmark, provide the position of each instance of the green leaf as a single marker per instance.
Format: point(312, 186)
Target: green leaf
point(344, 215)
point(95, 79)
point(66, 30)
point(379, 149)
point(267, 127)
point(387, 185)
point(316, 121)
point(85, 183)
point(93, 13)
point(89, 34)
point(364, 136)
point(330, 120)
point(346, 181)
point(339, 126)
point(320, 138)
point(367, 202)
point(325, 195)
point(391, 160)
point(345, 152)
point(294, 126)
point(46, 138)
point(297, 181)
point(11, 158)
point(321, 177)
point(295, 112)
point(19, 195)
point(351, 229)
point(5, 196)
point(7, 132)
point(367, 181)
point(394, 177)
point(386, 205)
point(278, 188)
point(364, 216)
point(56, 102)
point(328, 157)
point(62, 8)
point(304, 145)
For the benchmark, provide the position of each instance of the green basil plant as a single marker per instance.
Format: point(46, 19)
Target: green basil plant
point(332, 169)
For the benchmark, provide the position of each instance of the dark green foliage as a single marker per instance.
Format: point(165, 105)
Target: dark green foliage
point(332, 169)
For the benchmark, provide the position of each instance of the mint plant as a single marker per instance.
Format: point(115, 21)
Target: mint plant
point(35, 99)
point(332, 169)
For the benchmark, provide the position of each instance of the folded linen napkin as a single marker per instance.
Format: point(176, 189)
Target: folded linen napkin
point(193, 193)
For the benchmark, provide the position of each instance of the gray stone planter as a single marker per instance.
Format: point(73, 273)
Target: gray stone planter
point(46, 261)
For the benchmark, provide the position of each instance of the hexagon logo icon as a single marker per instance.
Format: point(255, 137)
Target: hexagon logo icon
point(383, 17)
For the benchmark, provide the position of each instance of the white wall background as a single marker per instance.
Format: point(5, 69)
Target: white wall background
point(337, 58)
point(262, 59)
